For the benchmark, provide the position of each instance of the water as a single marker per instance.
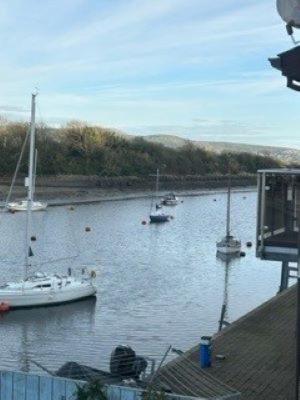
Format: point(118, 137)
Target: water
point(157, 284)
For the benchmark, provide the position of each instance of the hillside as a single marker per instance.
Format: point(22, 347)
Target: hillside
point(80, 149)
point(285, 154)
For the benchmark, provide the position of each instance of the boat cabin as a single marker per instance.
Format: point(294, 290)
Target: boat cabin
point(278, 215)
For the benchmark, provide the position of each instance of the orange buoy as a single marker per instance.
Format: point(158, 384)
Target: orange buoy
point(4, 307)
point(87, 229)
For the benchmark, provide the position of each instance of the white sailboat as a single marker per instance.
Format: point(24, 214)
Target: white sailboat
point(41, 289)
point(22, 205)
point(228, 245)
point(157, 216)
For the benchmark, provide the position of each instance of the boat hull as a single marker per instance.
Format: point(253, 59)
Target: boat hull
point(228, 250)
point(159, 218)
point(22, 206)
point(170, 202)
point(19, 299)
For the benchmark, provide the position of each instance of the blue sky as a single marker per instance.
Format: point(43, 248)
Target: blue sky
point(197, 68)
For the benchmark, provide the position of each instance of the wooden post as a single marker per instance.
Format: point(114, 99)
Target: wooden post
point(284, 276)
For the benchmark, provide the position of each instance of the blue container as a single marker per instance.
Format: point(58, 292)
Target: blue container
point(205, 351)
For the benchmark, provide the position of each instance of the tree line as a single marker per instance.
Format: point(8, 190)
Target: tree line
point(81, 149)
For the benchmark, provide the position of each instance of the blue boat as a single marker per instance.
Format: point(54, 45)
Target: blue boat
point(158, 217)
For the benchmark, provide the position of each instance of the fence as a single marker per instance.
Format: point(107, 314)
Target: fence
point(23, 386)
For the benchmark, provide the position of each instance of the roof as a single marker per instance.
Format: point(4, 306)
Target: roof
point(280, 171)
point(183, 376)
point(259, 351)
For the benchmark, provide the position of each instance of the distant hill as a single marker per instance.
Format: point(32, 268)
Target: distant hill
point(285, 154)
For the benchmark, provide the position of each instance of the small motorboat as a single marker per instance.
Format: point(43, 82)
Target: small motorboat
point(170, 200)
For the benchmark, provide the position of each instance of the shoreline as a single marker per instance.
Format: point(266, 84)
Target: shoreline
point(71, 190)
point(61, 198)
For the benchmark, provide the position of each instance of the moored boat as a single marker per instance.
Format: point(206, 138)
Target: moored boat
point(41, 289)
point(170, 200)
point(229, 245)
point(22, 205)
point(157, 216)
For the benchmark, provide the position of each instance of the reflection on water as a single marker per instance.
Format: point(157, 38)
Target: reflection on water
point(157, 285)
point(227, 261)
point(39, 328)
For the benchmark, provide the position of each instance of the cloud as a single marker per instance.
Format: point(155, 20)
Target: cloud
point(145, 63)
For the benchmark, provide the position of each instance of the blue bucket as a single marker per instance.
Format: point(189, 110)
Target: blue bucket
point(205, 351)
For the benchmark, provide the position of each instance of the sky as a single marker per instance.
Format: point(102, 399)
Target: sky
point(195, 68)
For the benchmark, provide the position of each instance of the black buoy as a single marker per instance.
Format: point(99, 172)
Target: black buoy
point(242, 254)
point(215, 199)
point(144, 222)
point(33, 238)
point(249, 244)
point(71, 208)
point(87, 229)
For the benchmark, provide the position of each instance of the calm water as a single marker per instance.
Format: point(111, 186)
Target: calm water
point(157, 285)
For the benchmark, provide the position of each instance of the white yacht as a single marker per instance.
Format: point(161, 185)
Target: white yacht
point(41, 289)
point(22, 205)
point(228, 245)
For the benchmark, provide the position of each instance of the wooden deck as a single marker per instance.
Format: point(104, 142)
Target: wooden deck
point(259, 352)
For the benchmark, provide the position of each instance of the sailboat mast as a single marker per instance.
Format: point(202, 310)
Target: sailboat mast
point(34, 176)
point(228, 208)
point(30, 183)
point(157, 182)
